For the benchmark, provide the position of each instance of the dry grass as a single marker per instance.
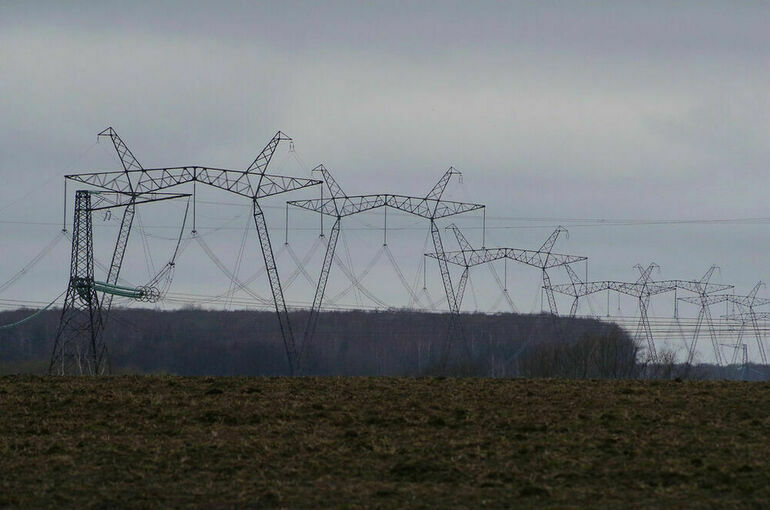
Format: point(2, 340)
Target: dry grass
point(139, 442)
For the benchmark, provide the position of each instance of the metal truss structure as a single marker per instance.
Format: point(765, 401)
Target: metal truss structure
point(254, 183)
point(467, 257)
point(747, 315)
point(703, 291)
point(543, 258)
point(79, 346)
point(643, 289)
point(339, 205)
point(432, 207)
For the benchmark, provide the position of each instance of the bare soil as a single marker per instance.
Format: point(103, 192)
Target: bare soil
point(187, 442)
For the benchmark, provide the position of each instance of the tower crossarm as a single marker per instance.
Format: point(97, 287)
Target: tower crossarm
point(748, 301)
point(744, 301)
point(430, 208)
point(631, 289)
point(360, 203)
point(706, 300)
point(127, 158)
point(107, 200)
point(539, 259)
point(446, 208)
point(710, 288)
point(461, 240)
point(438, 190)
point(259, 165)
point(111, 181)
point(253, 183)
point(335, 190)
point(577, 289)
point(156, 179)
point(640, 289)
point(548, 244)
point(342, 207)
point(747, 317)
point(696, 287)
point(529, 257)
point(277, 184)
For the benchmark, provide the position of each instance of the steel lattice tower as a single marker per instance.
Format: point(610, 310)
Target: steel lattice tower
point(78, 347)
point(339, 205)
point(544, 258)
point(747, 315)
point(643, 289)
point(134, 182)
point(468, 257)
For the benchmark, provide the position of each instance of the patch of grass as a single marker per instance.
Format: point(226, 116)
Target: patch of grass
point(139, 442)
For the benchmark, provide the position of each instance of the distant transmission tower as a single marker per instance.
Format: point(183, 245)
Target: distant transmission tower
point(432, 207)
point(747, 315)
point(340, 205)
point(468, 257)
point(642, 289)
point(543, 258)
point(704, 292)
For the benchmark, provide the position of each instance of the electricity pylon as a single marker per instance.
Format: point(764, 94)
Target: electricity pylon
point(747, 315)
point(643, 289)
point(577, 288)
point(543, 258)
point(79, 346)
point(254, 183)
point(340, 205)
point(467, 257)
point(746, 305)
point(432, 207)
point(703, 288)
point(703, 291)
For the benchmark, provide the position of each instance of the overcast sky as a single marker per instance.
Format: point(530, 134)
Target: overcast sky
point(570, 111)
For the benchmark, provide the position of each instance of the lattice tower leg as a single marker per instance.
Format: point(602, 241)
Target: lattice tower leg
point(698, 322)
point(118, 254)
point(758, 334)
point(275, 288)
point(574, 307)
point(713, 336)
point(455, 324)
point(312, 320)
point(549, 293)
point(78, 346)
point(645, 323)
point(461, 287)
point(738, 342)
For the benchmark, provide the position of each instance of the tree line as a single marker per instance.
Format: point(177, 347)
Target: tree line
point(388, 343)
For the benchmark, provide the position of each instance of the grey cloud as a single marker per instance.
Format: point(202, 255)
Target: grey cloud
point(578, 110)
